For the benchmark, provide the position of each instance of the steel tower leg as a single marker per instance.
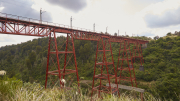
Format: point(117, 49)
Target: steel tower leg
point(125, 64)
point(107, 73)
point(137, 51)
point(142, 61)
point(75, 60)
point(57, 57)
point(48, 60)
point(61, 56)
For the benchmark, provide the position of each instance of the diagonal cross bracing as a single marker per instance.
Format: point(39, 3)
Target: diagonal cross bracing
point(20, 24)
point(16, 25)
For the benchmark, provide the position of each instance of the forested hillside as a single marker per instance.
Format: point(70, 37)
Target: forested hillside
point(162, 67)
point(27, 61)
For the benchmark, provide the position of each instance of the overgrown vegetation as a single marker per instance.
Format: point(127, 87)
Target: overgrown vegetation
point(162, 60)
point(15, 90)
point(27, 62)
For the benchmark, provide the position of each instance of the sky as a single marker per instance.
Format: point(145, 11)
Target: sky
point(131, 17)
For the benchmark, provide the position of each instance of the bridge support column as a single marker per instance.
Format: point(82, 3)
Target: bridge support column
point(61, 62)
point(137, 55)
point(104, 64)
point(125, 65)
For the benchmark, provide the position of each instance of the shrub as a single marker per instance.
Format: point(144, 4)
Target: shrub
point(8, 86)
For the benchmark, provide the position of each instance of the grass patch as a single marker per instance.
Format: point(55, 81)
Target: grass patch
point(16, 90)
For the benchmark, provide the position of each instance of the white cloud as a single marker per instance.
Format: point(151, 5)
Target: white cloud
point(163, 14)
point(154, 16)
point(6, 38)
point(1, 8)
point(14, 39)
point(123, 15)
point(133, 6)
point(73, 5)
point(161, 7)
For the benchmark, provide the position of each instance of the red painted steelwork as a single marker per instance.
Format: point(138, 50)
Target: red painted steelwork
point(137, 52)
point(16, 25)
point(125, 63)
point(48, 60)
point(62, 71)
point(103, 47)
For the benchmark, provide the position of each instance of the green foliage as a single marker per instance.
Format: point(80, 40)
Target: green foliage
point(8, 87)
point(169, 34)
point(162, 62)
point(169, 86)
point(38, 49)
point(32, 57)
point(27, 61)
point(15, 90)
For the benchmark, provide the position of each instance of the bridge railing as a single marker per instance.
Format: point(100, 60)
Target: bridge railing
point(20, 18)
point(15, 17)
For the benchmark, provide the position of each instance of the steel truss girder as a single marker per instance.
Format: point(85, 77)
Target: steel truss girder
point(16, 28)
point(12, 24)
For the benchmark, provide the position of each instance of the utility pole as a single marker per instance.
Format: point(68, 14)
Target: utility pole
point(71, 22)
point(118, 32)
point(41, 14)
point(133, 35)
point(94, 27)
point(106, 29)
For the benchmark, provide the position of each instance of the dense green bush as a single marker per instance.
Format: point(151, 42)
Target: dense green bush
point(8, 87)
point(162, 60)
point(27, 61)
